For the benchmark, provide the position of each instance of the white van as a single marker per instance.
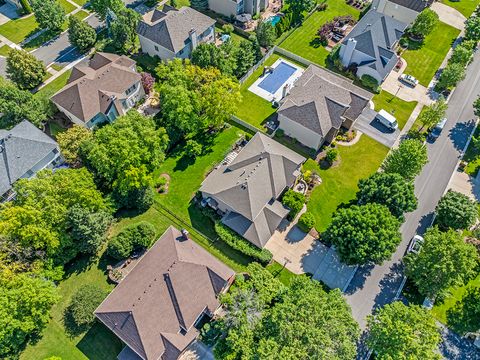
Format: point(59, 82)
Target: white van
point(387, 119)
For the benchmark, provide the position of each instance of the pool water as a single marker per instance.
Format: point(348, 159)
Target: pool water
point(274, 20)
point(274, 80)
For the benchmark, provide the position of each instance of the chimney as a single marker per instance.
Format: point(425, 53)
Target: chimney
point(347, 53)
point(193, 38)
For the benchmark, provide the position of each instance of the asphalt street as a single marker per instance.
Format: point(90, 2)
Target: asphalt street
point(59, 49)
point(374, 286)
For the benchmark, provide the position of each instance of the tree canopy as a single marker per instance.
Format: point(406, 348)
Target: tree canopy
point(445, 260)
point(451, 75)
point(266, 320)
point(81, 34)
point(407, 160)
point(24, 69)
point(101, 7)
point(362, 234)
point(455, 210)
point(298, 8)
point(123, 154)
point(70, 142)
point(433, 113)
point(398, 331)
point(123, 30)
point(266, 33)
point(49, 14)
point(194, 99)
point(472, 28)
point(424, 23)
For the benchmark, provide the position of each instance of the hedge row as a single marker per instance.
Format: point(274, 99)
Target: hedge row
point(239, 243)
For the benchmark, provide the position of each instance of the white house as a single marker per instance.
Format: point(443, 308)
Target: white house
point(403, 10)
point(24, 151)
point(100, 90)
point(318, 105)
point(172, 33)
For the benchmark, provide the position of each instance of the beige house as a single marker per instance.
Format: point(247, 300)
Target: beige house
point(172, 33)
point(403, 10)
point(318, 105)
point(100, 90)
point(158, 308)
point(237, 7)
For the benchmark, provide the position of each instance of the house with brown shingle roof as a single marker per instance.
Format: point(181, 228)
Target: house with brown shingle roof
point(318, 105)
point(100, 89)
point(155, 309)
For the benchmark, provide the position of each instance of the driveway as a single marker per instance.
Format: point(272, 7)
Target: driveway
point(301, 253)
point(7, 13)
point(465, 184)
point(197, 351)
point(449, 15)
point(368, 125)
point(454, 347)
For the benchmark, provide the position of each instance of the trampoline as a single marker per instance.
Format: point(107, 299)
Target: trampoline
point(274, 80)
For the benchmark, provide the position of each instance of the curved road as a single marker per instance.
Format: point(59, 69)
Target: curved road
point(374, 286)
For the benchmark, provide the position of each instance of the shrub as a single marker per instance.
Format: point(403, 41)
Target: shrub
point(227, 28)
point(237, 242)
point(279, 133)
point(371, 83)
point(322, 7)
point(306, 222)
point(131, 238)
point(147, 82)
point(455, 210)
point(294, 201)
point(83, 304)
point(27, 8)
point(331, 156)
point(120, 246)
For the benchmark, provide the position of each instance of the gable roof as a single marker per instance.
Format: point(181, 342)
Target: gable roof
point(376, 35)
point(250, 184)
point(168, 289)
point(320, 100)
point(415, 5)
point(170, 28)
point(95, 85)
point(21, 148)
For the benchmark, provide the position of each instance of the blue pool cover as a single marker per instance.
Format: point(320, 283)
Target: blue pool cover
point(277, 78)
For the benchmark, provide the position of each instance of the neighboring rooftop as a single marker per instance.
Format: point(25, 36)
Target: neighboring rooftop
point(155, 306)
point(416, 5)
point(376, 35)
point(21, 148)
point(171, 28)
point(320, 100)
point(250, 185)
point(95, 84)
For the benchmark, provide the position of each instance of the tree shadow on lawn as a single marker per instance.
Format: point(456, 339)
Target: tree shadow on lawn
point(206, 140)
point(316, 43)
point(464, 316)
point(99, 343)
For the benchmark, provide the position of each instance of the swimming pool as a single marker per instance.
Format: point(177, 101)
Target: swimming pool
point(274, 20)
point(274, 80)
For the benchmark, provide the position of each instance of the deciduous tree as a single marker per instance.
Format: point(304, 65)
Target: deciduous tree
point(101, 7)
point(407, 160)
point(455, 210)
point(433, 113)
point(445, 260)
point(70, 142)
point(123, 30)
point(465, 315)
point(84, 302)
point(266, 34)
point(462, 55)
point(424, 23)
point(390, 190)
point(81, 34)
point(472, 28)
point(49, 14)
point(476, 106)
point(24, 69)
point(362, 234)
point(298, 9)
point(451, 76)
point(398, 331)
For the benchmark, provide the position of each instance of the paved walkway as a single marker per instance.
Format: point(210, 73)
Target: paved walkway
point(465, 184)
point(449, 15)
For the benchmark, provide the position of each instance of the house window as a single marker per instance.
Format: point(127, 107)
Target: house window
point(130, 89)
point(180, 52)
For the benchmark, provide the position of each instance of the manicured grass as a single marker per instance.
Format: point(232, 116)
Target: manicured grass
point(19, 29)
point(176, 207)
point(5, 50)
point(339, 183)
point(399, 108)
point(281, 273)
point(56, 84)
point(80, 2)
point(234, 36)
point(254, 109)
point(440, 310)
point(97, 343)
point(304, 40)
point(57, 67)
point(472, 157)
point(466, 7)
point(67, 6)
point(423, 60)
point(82, 14)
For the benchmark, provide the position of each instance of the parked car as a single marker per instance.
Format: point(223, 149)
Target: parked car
point(408, 79)
point(415, 244)
point(387, 119)
point(437, 130)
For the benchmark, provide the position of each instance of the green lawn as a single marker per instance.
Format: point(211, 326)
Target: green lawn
point(472, 157)
point(19, 29)
point(424, 60)
point(466, 7)
point(281, 273)
point(67, 6)
point(234, 36)
point(399, 108)
point(56, 84)
point(304, 40)
point(80, 2)
point(339, 184)
point(82, 14)
point(175, 207)
point(5, 50)
point(97, 343)
point(254, 109)
point(440, 309)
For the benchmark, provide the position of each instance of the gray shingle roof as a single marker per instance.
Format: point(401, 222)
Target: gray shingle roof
point(251, 183)
point(320, 99)
point(376, 35)
point(416, 5)
point(170, 28)
point(93, 84)
point(169, 287)
point(21, 148)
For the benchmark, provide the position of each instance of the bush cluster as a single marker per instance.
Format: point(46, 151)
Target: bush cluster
point(306, 222)
point(83, 304)
point(131, 238)
point(294, 201)
point(239, 243)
